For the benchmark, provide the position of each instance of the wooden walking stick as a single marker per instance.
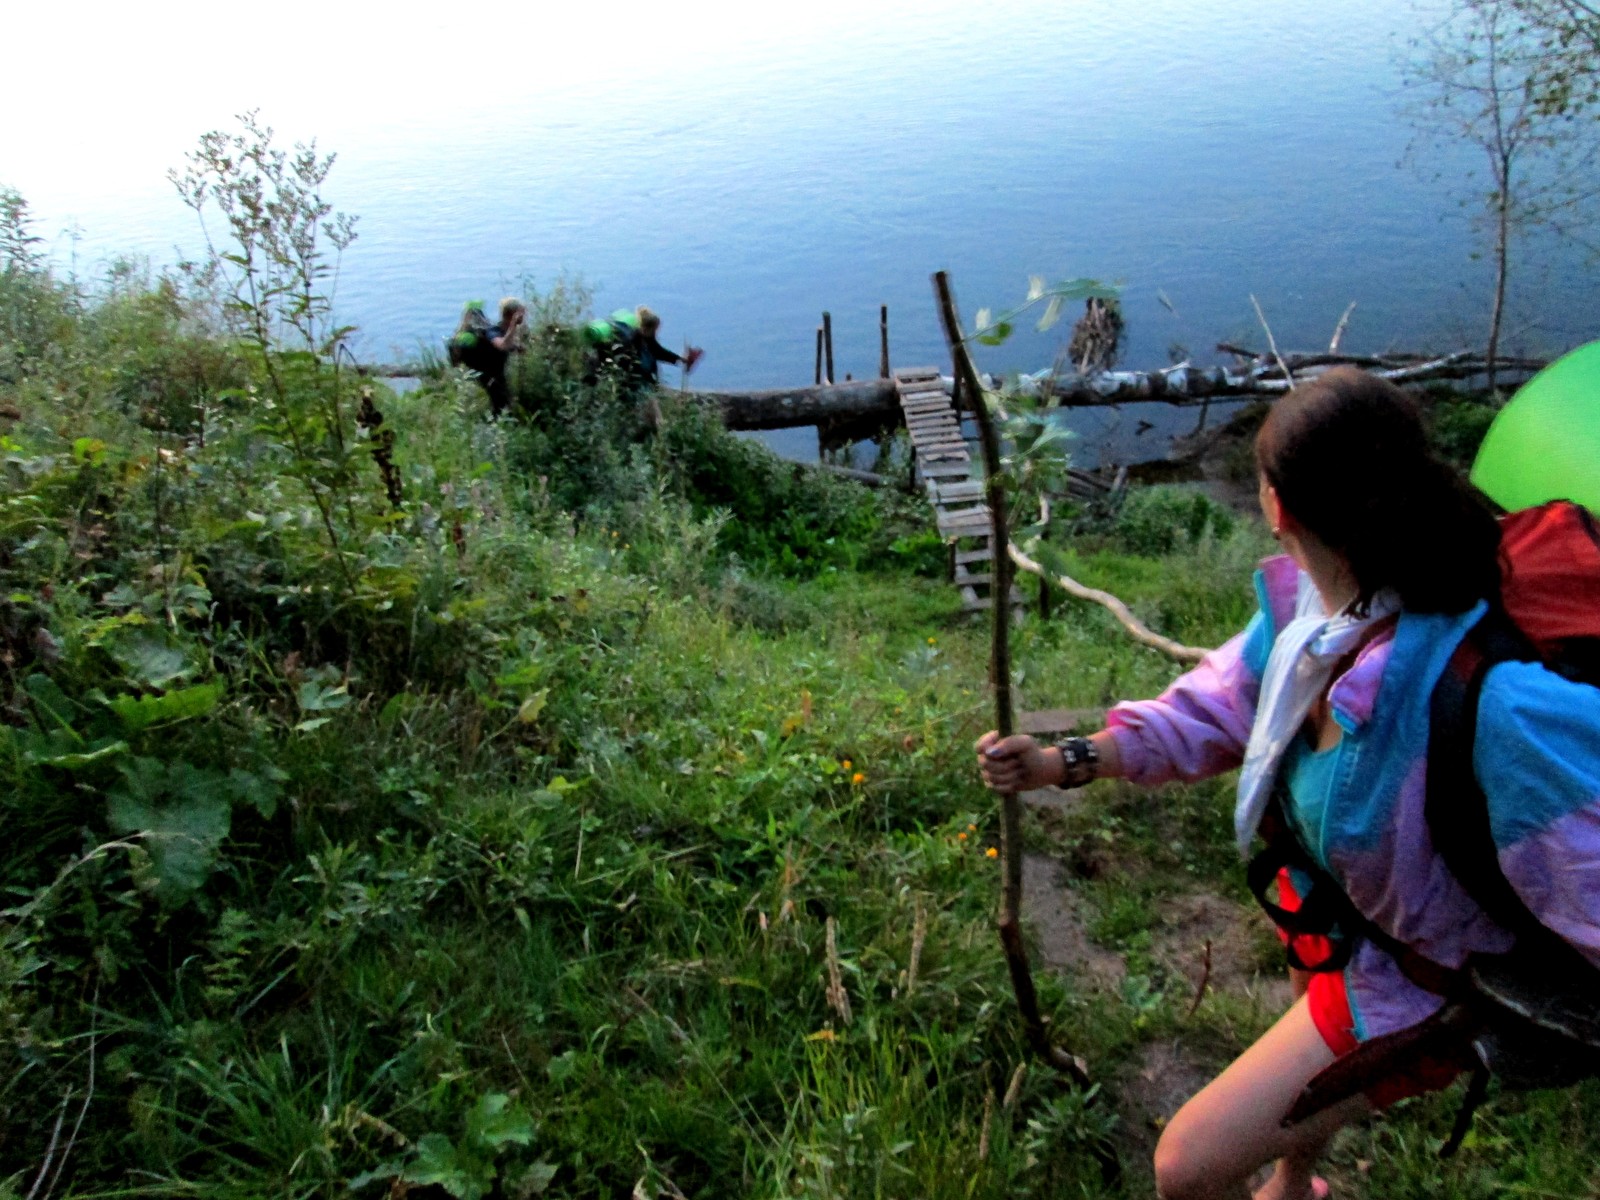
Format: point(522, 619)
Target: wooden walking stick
point(1010, 922)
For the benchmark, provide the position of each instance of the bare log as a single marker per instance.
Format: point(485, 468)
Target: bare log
point(1135, 627)
point(865, 477)
point(785, 408)
point(1179, 386)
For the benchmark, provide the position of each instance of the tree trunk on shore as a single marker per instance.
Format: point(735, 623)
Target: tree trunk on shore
point(869, 400)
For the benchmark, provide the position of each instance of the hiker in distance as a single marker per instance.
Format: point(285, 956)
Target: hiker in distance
point(485, 349)
point(1428, 787)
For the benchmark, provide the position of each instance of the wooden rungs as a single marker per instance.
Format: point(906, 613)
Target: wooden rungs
point(983, 603)
point(964, 557)
point(910, 374)
point(946, 470)
point(964, 528)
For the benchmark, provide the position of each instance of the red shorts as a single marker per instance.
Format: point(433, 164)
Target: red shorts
point(1328, 1001)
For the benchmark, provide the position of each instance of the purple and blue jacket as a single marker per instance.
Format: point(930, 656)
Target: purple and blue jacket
point(1537, 759)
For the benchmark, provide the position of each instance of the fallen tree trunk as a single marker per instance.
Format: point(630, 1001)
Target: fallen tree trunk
point(785, 408)
point(1180, 386)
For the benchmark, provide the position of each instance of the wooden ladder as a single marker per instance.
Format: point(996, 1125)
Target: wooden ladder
point(945, 461)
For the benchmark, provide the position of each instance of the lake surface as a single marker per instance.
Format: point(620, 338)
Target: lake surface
point(740, 171)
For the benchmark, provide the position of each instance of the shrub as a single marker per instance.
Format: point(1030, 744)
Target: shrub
point(1162, 519)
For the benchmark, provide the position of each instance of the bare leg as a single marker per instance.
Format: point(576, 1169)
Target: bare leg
point(1234, 1125)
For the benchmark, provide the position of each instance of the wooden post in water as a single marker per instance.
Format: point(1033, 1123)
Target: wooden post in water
point(819, 355)
point(827, 342)
point(883, 341)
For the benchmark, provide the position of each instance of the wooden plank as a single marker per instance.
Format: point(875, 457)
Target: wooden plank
point(932, 414)
point(967, 489)
point(927, 408)
point(974, 579)
point(907, 374)
point(1060, 720)
point(921, 395)
point(938, 422)
point(972, 556)
point(973, 528)
point(946, 471)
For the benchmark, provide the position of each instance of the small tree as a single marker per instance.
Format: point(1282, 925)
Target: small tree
point(1568, 35)
point(277, 275)
point(1482, 76)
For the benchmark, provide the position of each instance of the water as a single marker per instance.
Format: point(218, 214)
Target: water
point(742, 170)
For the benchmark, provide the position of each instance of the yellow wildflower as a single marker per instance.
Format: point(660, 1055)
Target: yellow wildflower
point(991, 852)
point(858, 778)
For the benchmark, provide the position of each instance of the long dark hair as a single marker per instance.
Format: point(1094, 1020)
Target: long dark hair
point(1349, 458)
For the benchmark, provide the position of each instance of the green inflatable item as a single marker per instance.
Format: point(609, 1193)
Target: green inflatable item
point(1545, 444)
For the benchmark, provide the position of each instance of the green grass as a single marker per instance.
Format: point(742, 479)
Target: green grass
point(532, 835)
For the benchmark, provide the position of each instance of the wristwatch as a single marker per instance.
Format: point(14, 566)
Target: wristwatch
point(1079, 759)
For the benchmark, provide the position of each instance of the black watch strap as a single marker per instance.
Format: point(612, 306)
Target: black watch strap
point(1080, 761)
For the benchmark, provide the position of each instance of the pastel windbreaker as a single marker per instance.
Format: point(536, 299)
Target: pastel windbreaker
point(1537, 758)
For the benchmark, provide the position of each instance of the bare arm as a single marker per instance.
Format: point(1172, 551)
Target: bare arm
point(1020, 764)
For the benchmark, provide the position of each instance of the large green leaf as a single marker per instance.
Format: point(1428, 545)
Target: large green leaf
point(141, 712)
point(151, 658)
point(180, 813)
point(494, 1122)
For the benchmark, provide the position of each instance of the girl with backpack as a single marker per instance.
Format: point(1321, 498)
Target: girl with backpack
point(1331, 700)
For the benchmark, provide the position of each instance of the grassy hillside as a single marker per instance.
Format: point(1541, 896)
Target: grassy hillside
point(490, 809)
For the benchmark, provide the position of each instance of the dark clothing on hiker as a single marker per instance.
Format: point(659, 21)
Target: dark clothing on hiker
point(651, 355)
point(489, 365)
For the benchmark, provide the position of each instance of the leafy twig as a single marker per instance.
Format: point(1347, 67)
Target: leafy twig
point(1010, 923)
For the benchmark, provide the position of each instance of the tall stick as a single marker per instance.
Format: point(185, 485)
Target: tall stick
point(883, 341)
point(819, 355)
point(1010, 923)
point(1272, 342)
point(827, 342)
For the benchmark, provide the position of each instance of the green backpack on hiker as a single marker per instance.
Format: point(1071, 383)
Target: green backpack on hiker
point(466, 346)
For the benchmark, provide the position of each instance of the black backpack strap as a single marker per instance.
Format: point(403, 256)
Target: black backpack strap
point(1457, 811)
point(1324, 909)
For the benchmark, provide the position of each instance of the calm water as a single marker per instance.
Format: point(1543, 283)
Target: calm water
point(741, 171)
